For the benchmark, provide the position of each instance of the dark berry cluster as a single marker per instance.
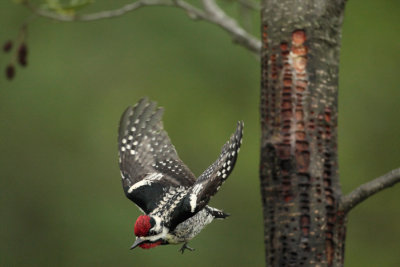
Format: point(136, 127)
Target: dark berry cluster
point(19, 56)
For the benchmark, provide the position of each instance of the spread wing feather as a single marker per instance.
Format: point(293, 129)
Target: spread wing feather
point(149, 163)
point(211, 180)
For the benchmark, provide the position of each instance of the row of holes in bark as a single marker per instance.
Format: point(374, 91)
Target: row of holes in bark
point(302, 151)
point(330, 200)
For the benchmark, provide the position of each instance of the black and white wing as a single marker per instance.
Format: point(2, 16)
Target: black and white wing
point(211, 180)
point(148, 161)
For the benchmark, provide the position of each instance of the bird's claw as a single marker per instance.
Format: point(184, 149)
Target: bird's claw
point(185, 246)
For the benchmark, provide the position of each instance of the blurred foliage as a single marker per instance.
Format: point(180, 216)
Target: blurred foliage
point(68, 7)
point(61, 202)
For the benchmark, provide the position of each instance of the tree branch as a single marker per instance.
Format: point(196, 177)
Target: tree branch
point(216, 15)
point(212, 13)
point(368, 189)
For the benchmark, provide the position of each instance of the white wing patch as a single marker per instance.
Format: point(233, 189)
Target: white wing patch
point(193, 196)
point(148, 180)
point(197, 188)
point(193, 201)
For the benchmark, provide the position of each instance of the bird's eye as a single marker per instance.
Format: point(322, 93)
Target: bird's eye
point(152, 222)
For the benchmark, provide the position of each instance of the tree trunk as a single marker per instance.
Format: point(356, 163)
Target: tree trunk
point(299, 167)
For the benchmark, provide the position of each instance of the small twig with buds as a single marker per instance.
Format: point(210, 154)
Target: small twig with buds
point(366, 190)
point(212, 13)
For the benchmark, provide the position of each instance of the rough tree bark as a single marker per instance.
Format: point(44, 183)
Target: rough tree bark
point(299, 167)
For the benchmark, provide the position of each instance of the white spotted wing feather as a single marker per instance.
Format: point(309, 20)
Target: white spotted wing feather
point(215, 175)
point(148, 161)
point(208, 184)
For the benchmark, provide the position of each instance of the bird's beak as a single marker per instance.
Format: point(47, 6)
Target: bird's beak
point(137, 242)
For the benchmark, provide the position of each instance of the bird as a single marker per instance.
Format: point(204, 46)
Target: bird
point(173, 201)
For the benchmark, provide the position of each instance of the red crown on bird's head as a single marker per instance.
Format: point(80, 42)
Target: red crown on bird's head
point(142, 225)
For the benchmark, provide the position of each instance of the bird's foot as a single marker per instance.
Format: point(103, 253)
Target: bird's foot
point(185, 246)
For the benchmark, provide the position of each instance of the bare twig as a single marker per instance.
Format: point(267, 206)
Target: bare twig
point(239, 35)
point(213, 14)
point(98, 15)
point(368, 189)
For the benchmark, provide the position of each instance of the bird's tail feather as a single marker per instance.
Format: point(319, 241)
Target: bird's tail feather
point(216, 213)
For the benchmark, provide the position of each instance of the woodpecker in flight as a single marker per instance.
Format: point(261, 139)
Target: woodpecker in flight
point(173, 201)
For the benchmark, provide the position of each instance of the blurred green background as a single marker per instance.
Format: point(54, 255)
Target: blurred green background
point(61, 201)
